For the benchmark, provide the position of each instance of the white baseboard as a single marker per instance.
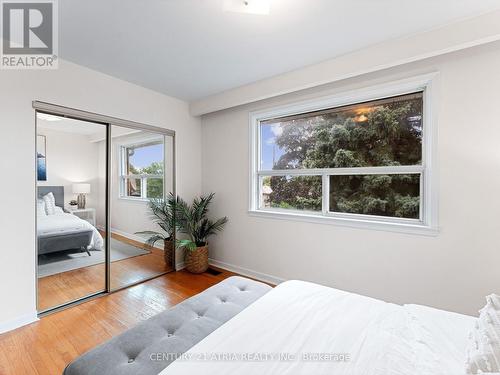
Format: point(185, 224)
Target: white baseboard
point(227, 266)
point(247, 272)
point(18, 322)
point(131, 236)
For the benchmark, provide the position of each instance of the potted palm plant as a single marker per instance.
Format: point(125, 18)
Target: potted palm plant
point(193, 221)
point(163, 214)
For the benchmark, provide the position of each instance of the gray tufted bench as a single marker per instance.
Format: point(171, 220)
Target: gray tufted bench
point(173, 331)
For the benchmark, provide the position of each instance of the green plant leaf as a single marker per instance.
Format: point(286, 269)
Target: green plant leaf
point(163, 214)
point(188, 244)
point(192, 219)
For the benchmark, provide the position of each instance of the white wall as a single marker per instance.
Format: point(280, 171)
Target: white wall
point(82, 88)
point(453, 270)
point(72, 158)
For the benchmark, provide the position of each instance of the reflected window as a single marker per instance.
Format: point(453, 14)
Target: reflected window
point(142, 170)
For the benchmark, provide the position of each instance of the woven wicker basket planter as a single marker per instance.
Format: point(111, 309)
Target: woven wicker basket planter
point(168, 254)
point(196, 261)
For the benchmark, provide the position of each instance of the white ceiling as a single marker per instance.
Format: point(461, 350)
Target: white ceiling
point(190, 49)
point(68, 125)
point(94, 131)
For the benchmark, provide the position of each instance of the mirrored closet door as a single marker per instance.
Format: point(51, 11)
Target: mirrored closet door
point(71, 162)
point(103, 219)
point(142, 178)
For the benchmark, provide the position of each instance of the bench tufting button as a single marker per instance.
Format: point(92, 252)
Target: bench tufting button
point(130, 360)
point(170, 335)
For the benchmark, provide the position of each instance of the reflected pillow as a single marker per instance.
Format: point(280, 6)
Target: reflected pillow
point(50, 203)
point(40, 208)
point(484, 350)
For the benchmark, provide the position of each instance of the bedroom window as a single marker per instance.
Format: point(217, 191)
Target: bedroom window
point(355, 162)
point(142, 169)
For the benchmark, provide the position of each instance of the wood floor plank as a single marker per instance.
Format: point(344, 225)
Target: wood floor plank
point(47, 346)
point(64, 287)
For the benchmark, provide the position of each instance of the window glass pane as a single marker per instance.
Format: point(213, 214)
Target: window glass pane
point(154, 187)
point(291, 192)
point(385, 132)
point(145, 159)
point(394, 195)
point(133, 187)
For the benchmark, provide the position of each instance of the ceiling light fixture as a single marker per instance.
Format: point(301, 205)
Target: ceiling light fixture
point(247, 6)
point(47, 117)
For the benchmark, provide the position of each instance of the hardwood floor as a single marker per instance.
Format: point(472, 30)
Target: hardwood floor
point(132, 270)
point(47, 346)
point(68, 286)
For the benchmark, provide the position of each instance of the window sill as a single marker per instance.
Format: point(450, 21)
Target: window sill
point(137, 200)
point(408, 228)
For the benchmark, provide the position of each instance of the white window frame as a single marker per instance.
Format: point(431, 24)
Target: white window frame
point(123, 176)
point(426, 224)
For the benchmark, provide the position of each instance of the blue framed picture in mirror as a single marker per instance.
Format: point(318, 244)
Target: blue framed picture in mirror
point(41, 157)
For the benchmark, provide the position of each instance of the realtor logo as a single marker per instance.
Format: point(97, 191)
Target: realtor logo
point(29, 34)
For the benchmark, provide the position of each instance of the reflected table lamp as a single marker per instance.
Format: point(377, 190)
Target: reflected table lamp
point(81, 190)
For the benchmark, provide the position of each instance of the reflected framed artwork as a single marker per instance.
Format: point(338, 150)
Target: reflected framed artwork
point(41, 157)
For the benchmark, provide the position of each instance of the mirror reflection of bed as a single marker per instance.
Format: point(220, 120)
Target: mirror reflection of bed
point(71, 211)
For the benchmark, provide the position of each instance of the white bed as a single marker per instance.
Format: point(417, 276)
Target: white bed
point(64, 223)
point(296, 318)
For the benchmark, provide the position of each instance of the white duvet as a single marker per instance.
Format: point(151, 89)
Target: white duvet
point(64, 223)
point(319, 330)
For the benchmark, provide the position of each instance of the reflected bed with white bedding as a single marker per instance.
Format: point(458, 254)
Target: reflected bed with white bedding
point(62, 223)
point(58, 230)
point(320, 330)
